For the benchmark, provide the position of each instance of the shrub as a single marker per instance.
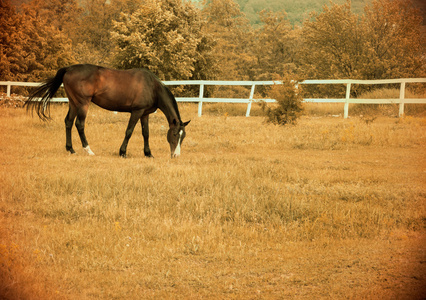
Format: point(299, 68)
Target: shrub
point(289, 103)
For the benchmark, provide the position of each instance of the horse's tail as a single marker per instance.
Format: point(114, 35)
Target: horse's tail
point(45, 92)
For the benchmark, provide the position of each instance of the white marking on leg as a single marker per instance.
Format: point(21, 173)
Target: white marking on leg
point(88, 150)
point(177, 150)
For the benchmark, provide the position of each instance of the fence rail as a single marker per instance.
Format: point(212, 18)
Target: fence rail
point(253, 84)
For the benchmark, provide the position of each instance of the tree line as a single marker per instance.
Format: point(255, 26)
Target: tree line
point(214, 39)
point(295, 13)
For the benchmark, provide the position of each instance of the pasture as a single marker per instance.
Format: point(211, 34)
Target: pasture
point(329, 208)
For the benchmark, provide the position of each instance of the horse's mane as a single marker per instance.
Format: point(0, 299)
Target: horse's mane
point(174, 102)
point(169, 93)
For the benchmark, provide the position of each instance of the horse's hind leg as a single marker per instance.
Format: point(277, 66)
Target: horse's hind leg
point(145, 134)
point(80, 123)
point(69, 121)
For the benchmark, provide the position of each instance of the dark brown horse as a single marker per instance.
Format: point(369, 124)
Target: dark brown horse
point(137, 91)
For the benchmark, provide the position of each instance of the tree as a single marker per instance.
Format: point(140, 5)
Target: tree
point(333, 43)
point(62, 14)
point(385, 43)
point(232, 34)
point(163, 36)
point(276, 46)
point(92, 40)
point(296, 12)
point(12, 57)
point(48, 48)
point(394, 40)
point(31, 48)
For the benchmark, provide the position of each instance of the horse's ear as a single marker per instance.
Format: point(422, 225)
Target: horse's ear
point(186, 123)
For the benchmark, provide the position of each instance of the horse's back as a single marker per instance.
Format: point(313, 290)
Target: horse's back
point(121, 90)
point(77, 73)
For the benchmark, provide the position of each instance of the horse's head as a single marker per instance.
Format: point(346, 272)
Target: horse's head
point(175, 136)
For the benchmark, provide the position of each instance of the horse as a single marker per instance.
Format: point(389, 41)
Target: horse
point(137, 91)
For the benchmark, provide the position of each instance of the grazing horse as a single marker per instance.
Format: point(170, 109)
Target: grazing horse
point(137, 91)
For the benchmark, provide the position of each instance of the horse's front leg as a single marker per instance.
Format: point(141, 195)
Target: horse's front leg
point(145, 134)
point(134, 118)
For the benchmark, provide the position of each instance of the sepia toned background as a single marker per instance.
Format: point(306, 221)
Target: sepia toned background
point(327, 208)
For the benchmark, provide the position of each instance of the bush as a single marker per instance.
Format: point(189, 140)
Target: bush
point(289, 103)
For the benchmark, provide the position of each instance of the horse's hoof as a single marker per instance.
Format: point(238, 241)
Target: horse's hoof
point(70, 150)
point(89, 151)
point(123, 155)
point(148, 155)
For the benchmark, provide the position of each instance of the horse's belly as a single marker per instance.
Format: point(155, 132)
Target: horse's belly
point(122, 104)
point(112, 105)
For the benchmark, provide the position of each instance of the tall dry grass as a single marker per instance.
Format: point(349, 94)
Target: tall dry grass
point(250, 210)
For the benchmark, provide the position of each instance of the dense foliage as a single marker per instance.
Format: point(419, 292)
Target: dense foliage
point(297, 11)
point(213, 39)
point(31, 46)
point(162, 36)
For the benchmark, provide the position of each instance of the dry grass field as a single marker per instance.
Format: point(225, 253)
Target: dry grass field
point(327, 209)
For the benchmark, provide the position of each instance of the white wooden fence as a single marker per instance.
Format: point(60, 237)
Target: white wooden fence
point(347, 100)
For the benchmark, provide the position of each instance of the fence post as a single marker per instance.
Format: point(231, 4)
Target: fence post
point(200, 103)
point(8, 89)
point(401, 99)
point(348, 94)
point(250, 100)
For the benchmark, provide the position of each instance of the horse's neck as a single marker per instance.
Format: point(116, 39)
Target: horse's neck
point(169, 111)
